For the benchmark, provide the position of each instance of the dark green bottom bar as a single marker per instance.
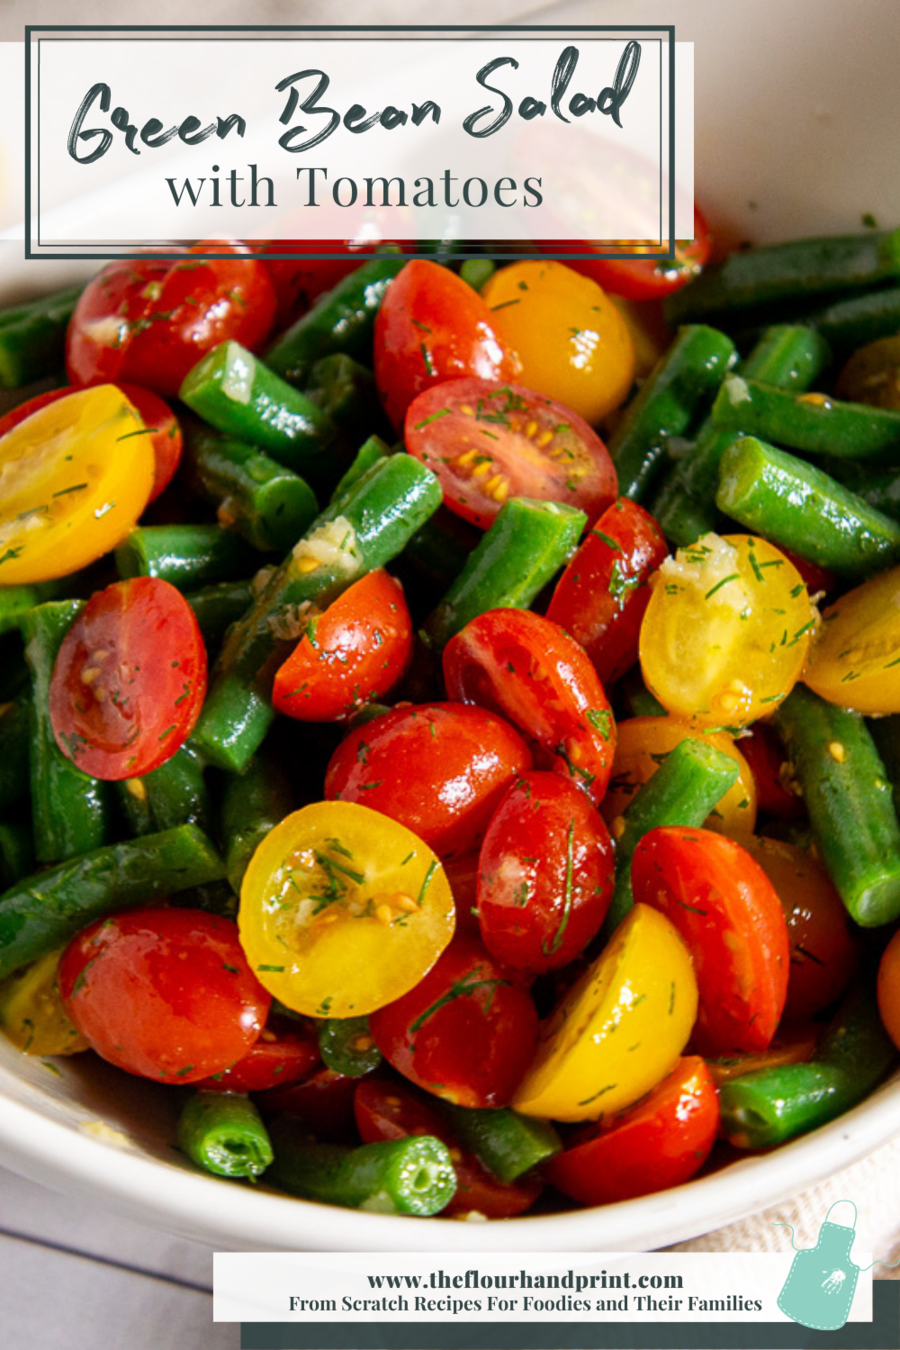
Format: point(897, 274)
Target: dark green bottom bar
point(882, 1333)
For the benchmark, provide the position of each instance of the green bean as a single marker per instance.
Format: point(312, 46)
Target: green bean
point(526, 545)
point(849, 324)
point(174, 794)
point(809, 422)
point(234, 392)
point(477, 272)
point(402, 1176)
point(771, 1106)
point(435, 556)
point(342, 320)
point(15, 741)
point(345, 391)
point(788, 501)
point(253, 802)
point(507, 1143)
point(346, 1046)
point(689, 372)
point(885, 732)
point(639, 702)
point(17, 601)
point(790, 357)
point(223, 1133)
point(41, 913)
point(71, 813)
point(188, 556)
point(370, 527)
point(268, 504)
point(685, 788)
point(33, 338)
point(785, 276)
point(370, 453)
point(848, 795)
point(217, 607)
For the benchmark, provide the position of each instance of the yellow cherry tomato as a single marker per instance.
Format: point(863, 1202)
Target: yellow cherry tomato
point(620, 1029)
point(32, 1015)
point(889, 989)
point(727, 630)
point(855, 657)
point(343, 910)
point(74, 477)
point(573, 342)
point(642, 745)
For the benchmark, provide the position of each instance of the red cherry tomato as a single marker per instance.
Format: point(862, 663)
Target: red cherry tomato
point(824, 944)
point(660, 1142)
point(149, 322)
point(818, 580)
point(387, 1111)
point(602, 595)
point(156, 415)
point(432, 327)
point(730, 918)
point(438, 768)
point(545, 877)
point(352, 654)
point(129, 680)
point(530, 671)
point(323, 1103)
point(637, 278)
point(286, 1051)
point(298, 282)
point(163, 993)
point(467, 1031)
point(488, 441)
point(764, 752)
point(462, 873)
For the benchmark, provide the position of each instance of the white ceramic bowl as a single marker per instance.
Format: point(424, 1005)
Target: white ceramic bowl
point(796, 111)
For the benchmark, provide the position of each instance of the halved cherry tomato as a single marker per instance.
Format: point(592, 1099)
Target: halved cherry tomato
point(76, 475)
point(619, 1029)
point(352, 654)
point(32, 1015)
point(602, 595)
point(659, 1143)
point(433, 327)
point(853, 661)
point(466, 1032)
point(730, 918)
point(323, 1103)
point(287, 1050)
point(824, 947)
point(488, 441)
point(343, 910)
point(129, 680)
point(762, 749)
point(727, 630)
point(644, 744)
point(438, 768)
point(572, 342)
point(162, 429)
point(386, 1110)
point(530, 671)
point(545, 877)
point(791, 1045)
point(149, 322)
point(889, 989)
point(643, 278)
point(163, 993)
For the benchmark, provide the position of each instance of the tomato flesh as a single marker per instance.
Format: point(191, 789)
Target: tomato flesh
point(488, 441)
point(603, 594)
point(163, 993)
point(530, 671)
point(466, 1032)
point(352, 654)
point(730, 918)
point(129, 680)
point(432, 327)
point(657, 1144)
point(545, 876)
point(438, 768)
